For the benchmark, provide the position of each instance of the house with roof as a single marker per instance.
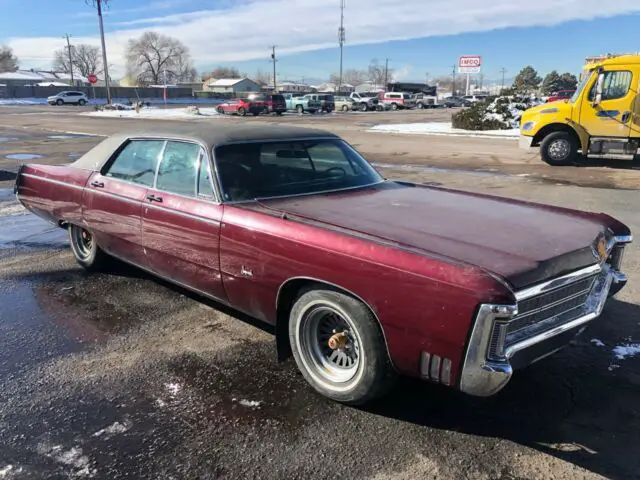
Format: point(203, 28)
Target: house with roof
point(232, 85)
point(41, 78)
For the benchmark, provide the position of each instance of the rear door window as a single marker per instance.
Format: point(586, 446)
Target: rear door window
point(179, 168)
point(137, 162)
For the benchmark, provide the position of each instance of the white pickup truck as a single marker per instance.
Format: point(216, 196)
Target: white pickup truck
point(365, 101)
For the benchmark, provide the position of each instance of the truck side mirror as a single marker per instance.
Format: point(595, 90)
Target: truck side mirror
point(599, 85)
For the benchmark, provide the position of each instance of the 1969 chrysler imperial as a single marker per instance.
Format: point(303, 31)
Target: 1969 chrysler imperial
point(363, 277)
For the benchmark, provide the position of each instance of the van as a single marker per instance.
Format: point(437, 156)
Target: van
point(398, 100)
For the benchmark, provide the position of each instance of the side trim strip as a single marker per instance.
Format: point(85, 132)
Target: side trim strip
point(115, 195)
point(183, 214)
point(51, 180)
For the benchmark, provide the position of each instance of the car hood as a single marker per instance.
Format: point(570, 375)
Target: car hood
point(521, 242)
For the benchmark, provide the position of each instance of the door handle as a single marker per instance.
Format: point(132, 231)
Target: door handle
point(153, 198)
point(625, 117)
point(97, 184)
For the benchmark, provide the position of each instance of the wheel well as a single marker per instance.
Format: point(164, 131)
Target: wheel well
point(63, 224)
point(554, 127)
point(287, 295)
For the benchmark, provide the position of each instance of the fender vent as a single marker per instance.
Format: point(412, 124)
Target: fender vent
point(435, 368)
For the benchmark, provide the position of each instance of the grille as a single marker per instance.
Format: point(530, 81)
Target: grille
point(550, 309)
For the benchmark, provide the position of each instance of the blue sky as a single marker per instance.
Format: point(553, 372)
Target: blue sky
point(418, 36)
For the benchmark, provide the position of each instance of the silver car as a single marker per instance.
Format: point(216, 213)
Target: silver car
point(68, 97)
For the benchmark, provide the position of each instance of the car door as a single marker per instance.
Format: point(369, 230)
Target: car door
point(113, 199)
point(181, 220)
point(612, 116)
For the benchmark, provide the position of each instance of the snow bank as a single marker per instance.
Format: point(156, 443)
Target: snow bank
point(102, 101)
point(443, 129)
point(629, 350)
point(157, 113)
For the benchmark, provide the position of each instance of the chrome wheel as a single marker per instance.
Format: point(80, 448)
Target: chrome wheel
point(559, 149)
point(83, 242)
point(330, 346)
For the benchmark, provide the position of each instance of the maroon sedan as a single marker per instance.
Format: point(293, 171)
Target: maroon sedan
point(362, 277)
point(241, 106)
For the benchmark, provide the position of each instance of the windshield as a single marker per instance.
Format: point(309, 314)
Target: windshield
point(275, 169)
point(580, 87)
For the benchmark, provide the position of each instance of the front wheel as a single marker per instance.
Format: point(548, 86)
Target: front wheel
point(363, 107)
point(82, 102)
point(221, 110)
point(559, 148)
point(59, 102)
point(394, 106)
point(339, 347)
point(85, 249)
point(345, 108)
point(421, 106)
point(300, 109)
point(242, 112)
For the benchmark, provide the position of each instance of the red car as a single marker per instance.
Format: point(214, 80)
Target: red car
point(363, 278)
point(241, 106)
point(561, 95)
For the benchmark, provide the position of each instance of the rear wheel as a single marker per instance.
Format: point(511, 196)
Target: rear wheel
point(345, 108)
point(84, 247)
point(59, 102)
point(421, 106)
point(363, 107)
point(221, 110)
point(242, 112)
point(559, 148)
point(300, 109)
point(82, 102)
point(278, 113)
point(339, 347)
point(394, 106)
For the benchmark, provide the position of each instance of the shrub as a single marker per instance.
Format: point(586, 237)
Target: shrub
point(501, 113)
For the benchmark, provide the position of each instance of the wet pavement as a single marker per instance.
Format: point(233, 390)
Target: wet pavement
point(119, 375)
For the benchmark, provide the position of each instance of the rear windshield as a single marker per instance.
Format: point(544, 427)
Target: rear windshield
point(275, 169)
point(277, 98)
point(328, 98)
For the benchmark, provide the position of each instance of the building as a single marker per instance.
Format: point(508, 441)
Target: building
point(232, 85)
point(41, 78)
point(331, 87)
point(291, 87)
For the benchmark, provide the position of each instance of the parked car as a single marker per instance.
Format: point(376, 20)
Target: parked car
point(273, 102)
point(398, 100)
point(426, 101)
point(327, 103)
point(70, 97)
point(366, 101)
point(301, 103)
point(456, 102)
point(241, 106)
point(361, 277)
point(345, 104)
point(561, 95)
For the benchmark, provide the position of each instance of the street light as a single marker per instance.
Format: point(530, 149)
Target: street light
point(98, 4)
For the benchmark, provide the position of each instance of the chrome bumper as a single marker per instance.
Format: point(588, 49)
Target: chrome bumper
point(484, 376)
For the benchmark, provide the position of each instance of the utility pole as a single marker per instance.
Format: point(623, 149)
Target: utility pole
point(104, 51)
point(426, 78)
point(453, 83)
point(66, 35)
point(273, 59)
point(341, 38)
point(386, 73)
point(503, 71)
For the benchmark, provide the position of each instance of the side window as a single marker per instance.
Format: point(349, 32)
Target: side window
point(329, 158)
point(285, 155)
point(178, 168)
point(204, 178)
point(615, 85)
point(137, 162)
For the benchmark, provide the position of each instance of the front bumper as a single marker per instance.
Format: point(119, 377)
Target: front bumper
point(524, 142)
point(484, 376)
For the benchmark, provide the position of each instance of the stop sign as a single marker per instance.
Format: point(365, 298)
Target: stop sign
point(92, 78)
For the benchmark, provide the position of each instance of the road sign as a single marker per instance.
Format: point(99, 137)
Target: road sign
point(92, 78)
point(469, 64)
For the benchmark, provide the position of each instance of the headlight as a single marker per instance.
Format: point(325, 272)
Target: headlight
point(528, 126)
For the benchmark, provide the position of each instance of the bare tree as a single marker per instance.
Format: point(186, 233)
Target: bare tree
point(153, 55)
point(85, 58)
point(8, 61)
point(352, 76)
point(224, 72)
point(376, 72)
point(262, 77)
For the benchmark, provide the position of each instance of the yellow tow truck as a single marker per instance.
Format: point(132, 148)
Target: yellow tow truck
point(601, 119)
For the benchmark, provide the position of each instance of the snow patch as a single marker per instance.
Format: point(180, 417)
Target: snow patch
point(158, 113)
point(114, 429)
point(248, 403)
point(79, 463)
point(173, 388)
point(597, 343)
point(629, 350)
point(8, 471)
point(439, 128)
point(160, 403)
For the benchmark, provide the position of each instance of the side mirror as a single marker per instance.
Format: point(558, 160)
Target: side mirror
point(599, 85)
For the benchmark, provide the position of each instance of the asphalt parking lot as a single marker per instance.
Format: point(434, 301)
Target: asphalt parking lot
point(119, 375)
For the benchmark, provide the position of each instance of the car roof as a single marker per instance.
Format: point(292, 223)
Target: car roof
point(204, 133)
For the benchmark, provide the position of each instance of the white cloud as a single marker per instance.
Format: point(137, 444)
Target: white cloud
point(244, 30)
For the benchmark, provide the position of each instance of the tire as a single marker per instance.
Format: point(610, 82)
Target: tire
point(278, 113)
point(82, 102)
point(363, 107)
point(420, 106)
point(221, 110)
point(59, 102)
point(353, 379)
point(345, 108)
point(255, 114)
point(242, 112)
point(559, 148)
point(394, 106)
point(300, 109)
point(86, 251)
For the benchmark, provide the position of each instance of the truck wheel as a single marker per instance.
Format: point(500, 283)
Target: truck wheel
point(300, 109)
point(84, 247)
point(394, 106)
point(339, 347)
point(363, 107)
point(559, 148)
point(420, 106)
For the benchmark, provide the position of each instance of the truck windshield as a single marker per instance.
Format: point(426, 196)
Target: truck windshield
point(299, 167)
point(580, 88)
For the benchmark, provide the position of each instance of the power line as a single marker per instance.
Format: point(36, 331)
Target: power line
point(274, 60)
point(66, 35)
point(341, 39)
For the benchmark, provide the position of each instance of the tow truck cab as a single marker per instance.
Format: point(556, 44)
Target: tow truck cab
point(602, 117)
